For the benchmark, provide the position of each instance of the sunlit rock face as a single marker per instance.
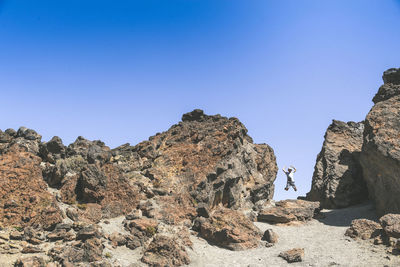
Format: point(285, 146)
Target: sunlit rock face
point(380, 157)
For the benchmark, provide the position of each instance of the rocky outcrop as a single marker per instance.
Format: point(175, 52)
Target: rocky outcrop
point(208, 159)
point(205, 169)
point(380, 156)
point(286, 211)
point(337, 181)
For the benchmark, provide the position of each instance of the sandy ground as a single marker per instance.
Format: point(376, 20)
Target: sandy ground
point(323, 240)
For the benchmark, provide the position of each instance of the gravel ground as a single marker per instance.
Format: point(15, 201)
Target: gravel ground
point(323, 240)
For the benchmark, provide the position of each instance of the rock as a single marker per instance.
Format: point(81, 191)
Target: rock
point(229, 229)
point(202, 210)
point(165, 251)
point(28, 134)
point(53, 150)
point(337, 180)
point(380, 157)
point(391, 224)
point(117, 239)
point(92, 151)
point(293, 255)
point(22, 181)
point(270, 236)
point(391, 76)
point(134, 214)
point(91, 184)
point(16, 235)
point(287, 211)
point(207, 159)
point(87, 232)
point(142, 230)
point(33, 261)
point(61, 234)
point(88, 251)
point(31, 249)
point(364, 229)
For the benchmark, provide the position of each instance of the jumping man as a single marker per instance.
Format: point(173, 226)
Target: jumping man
point(290, 180)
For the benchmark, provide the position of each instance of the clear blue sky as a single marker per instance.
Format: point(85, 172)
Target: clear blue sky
point(120, 71)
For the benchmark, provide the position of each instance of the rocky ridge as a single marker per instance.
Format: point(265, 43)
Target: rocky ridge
point(204, 170)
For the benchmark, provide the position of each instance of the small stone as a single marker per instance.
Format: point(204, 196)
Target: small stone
point(270, 236)
point(293, 255)
point(31, 249)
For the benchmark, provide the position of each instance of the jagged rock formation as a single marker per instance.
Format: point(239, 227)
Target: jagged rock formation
point(380, 156)
point(204, 166)
point(337, 181)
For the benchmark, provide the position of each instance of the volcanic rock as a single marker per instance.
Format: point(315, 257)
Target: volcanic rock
point(21, 181)
point(270, 236)
point(337, 180)
point(202, 159)
point(165, 251)
point(229, 229)
point(380, 157)
point(293, 255)
point(364, 229)
point(391, 224)
point(286, 211)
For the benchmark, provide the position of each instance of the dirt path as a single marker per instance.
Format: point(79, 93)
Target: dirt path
point(324, 243)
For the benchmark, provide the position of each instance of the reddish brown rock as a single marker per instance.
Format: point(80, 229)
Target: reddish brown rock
point(286, 211)
point(24, 199)
point(293, 255)
point(364, 229)
point(165, 251)
point(202, 159)
point(229, 229)
point(391, 224)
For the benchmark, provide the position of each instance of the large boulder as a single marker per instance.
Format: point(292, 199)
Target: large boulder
point(229, 229)
point(286, 211)
point(380, 157)
point(337, 181)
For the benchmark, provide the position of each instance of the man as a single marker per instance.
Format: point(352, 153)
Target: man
point(290, 179)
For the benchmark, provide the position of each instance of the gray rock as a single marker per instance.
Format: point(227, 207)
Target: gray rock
point(337, 181)
point(270, 236)
point(391, 76)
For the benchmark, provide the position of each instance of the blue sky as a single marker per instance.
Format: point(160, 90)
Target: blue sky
point(120, 71)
